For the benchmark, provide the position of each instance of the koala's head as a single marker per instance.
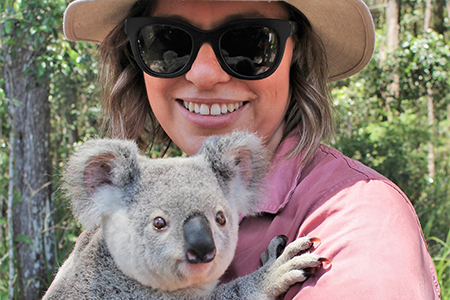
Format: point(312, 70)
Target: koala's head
point(169, 223)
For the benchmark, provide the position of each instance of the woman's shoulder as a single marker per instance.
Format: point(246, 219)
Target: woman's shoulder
point(325, 163)
point(330, 160)
point(327, 173)
point(330, 174)
point(331, 170)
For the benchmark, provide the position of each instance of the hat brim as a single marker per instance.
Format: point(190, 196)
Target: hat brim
point(345, 27)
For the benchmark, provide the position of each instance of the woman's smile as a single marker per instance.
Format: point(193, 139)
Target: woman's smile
point(212, 114)
point(215, 109)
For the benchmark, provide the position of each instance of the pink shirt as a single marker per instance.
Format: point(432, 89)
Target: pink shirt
point(367, 226)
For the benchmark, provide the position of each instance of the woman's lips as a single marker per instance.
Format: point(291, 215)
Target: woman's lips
point(211, 114)
point(215, 109)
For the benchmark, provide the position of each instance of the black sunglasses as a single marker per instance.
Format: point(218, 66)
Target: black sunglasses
point(246, 49)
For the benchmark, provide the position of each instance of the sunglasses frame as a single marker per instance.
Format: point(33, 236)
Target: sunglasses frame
point(282, 28)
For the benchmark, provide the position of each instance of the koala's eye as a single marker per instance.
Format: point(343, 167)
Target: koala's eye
point(159, 223)
point(220, 218)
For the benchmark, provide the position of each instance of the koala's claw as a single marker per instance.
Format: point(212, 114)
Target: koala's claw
point(315, 240)
point(292, 266)
point(325, 260)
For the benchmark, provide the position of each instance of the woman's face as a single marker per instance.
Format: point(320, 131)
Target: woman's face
point(256, 105)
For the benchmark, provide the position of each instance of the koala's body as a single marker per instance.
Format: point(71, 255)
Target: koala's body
point(167, 228)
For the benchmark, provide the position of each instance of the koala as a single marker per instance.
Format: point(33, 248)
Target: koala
point(167, 228)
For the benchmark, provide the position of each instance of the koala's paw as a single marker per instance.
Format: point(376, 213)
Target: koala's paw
point(287, 268)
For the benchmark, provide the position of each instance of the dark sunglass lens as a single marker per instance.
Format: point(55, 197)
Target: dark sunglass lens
point(164, 49)
point(250, 51)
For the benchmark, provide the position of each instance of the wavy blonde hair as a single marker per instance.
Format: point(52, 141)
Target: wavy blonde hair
point(127, 112)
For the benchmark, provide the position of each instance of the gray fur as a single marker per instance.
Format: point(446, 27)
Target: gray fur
point(117, 194)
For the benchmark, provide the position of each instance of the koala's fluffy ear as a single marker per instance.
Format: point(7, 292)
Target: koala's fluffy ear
point(97, 176)
point(240, 162)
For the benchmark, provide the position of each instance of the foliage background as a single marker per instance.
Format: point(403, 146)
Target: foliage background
point(388, 130)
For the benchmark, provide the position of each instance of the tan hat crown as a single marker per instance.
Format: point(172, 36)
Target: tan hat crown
point(345, 27)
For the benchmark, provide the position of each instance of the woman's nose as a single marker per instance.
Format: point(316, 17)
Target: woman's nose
point(206, 70)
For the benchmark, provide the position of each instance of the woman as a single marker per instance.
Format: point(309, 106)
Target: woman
point(185, 70)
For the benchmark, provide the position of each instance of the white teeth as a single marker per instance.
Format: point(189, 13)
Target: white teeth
point(204, 109)
point(214, 110)
point(224, 109)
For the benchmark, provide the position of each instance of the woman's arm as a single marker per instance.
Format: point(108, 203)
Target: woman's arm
point(372, 235)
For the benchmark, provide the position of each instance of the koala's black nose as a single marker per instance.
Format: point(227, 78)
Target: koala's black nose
point(199, 241)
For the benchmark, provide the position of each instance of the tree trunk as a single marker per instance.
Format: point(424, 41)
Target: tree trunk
point(11, 188)
point(427, 18)
point(392, 42)
point(30, 183)
point(430, 103)
point(448, 8)
point(392, 25)
point(431, 156)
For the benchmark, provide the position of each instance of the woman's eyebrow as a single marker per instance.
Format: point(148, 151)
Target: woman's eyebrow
point(230, 18)
point(249, 15)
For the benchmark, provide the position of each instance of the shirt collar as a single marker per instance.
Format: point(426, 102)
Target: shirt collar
point(282, 179)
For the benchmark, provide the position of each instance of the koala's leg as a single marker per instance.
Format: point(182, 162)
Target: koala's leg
point(278, 273)
point(274, 250)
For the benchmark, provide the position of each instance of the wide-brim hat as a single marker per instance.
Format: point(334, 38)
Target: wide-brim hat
point(345, 27)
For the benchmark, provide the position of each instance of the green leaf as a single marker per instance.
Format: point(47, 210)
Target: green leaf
point(24, 239)
point(10, 42)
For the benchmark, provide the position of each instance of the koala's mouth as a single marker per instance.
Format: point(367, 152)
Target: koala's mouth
point(214, 109)
point(194, 272)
